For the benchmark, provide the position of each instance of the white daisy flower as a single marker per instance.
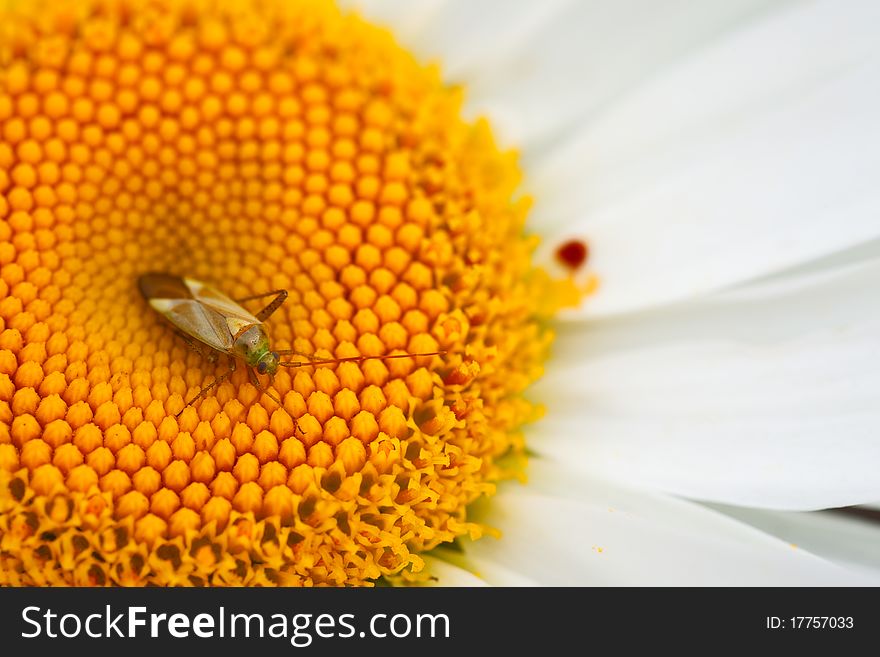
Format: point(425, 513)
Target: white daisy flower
point(716, 162)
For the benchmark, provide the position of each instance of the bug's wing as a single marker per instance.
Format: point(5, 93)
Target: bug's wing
point(159, 285)
point(237, 318)
point(197, 320)
point(198, 310)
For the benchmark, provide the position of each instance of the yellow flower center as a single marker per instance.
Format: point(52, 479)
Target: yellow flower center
point(254, 146)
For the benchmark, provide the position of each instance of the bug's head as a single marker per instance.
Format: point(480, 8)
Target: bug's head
point(252, 345)
point(268, 364)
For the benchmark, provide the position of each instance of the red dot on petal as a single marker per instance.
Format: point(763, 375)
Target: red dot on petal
point(573, 253)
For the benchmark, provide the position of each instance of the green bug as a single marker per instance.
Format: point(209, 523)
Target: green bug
point(202, 314)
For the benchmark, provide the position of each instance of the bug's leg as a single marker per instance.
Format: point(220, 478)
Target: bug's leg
point(208, 354)
point(280, 297)
point(256, 383)
point(204, 391)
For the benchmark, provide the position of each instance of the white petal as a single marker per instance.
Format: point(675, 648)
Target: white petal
point(844, 539)
point(405, 17)
point(768, 398)
point(538, 67)
point(757, 153)
point(474, 40)
point(448, 574)
point(563, 531)
point(572, 61)
point(488, 572)
point(836, 262)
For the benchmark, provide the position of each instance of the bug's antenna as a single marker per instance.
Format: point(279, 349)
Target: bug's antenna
point(349, 359)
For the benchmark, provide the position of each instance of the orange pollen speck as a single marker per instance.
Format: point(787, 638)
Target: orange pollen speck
point(254, 146)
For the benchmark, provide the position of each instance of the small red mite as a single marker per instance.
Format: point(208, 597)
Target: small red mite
point(573, 254)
